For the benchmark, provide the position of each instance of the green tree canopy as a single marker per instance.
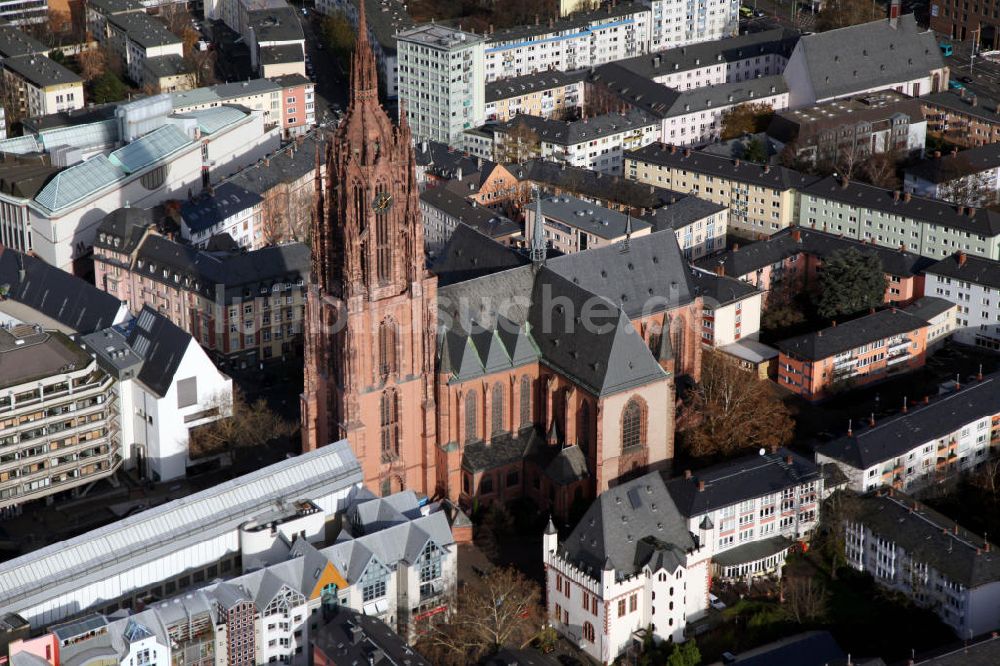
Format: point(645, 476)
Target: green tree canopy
point(755, 151)
point(684, 654)
point(850, 281)
point(338, 35)
point(108, 88)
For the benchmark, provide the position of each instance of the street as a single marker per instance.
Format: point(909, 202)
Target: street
point(980, 76)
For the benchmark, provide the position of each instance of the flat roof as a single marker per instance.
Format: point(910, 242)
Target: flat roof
point(145, 30)
point(28, 354)
point(40, 71)
point(439, 36)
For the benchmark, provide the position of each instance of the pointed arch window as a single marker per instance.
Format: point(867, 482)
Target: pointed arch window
point(583, 426)
point(525, 400)
point(387, 361)
point(360, 209)
point(471, 420)
point(383, 241)
point(389, 413)
point(633, 425)
point(496, 420)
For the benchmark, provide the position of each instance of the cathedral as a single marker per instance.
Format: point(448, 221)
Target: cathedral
point(494, 373)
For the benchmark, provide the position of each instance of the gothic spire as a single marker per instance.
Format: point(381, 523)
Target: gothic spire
point(364, 80)
point(538, 251)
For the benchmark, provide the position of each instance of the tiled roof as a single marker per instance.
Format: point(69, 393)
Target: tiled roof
point(972, 269)
point(591, 218)
point(719, 290)
point(571, 132)
point(209, 210)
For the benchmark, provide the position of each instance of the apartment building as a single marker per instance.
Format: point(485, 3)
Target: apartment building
point(730, 308)
point(688, 117)
point(711, 63)
point(588, 39)
point(59, 418)
point(167, 74)
point(973, 284)
point(855, 353)
point(549, 94)
point(42, 86)
point(242, 307)
point(445, 208)
point(384, 19)
point(99, 13)
point(226, 209)
point(24, 13)
point(136, 37)
point(788, 263)
point(960, 22)
point(898, 219)
point(853, 128)
point(286, 181)
point(747, 513)
point(14, 42)
point(287, 101)
point(915, 551)
point(573, 225)
point(597, 143)
point(674, 23)
point(962, 119)
point(887, 54)
point(441, 82)
point(168, 382)
point(930, 440)
point(183, 543)
point(970, 177)
point(700, 226)
point(631, 563)
point(762, 199)
point(362, 640)
point(276, 40)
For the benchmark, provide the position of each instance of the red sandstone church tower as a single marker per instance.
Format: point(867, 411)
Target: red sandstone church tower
point(371, 314)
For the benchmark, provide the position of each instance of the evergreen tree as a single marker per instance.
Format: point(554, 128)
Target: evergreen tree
point(850, 281)
point(108, 88)
point(684, 654)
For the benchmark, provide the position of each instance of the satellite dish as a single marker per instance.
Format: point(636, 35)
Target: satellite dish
point(762, 451)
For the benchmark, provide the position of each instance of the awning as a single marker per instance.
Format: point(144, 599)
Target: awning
point(752, 552)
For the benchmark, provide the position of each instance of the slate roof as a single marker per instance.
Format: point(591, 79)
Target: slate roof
point(484, 220)
point(40, 71)
point(951, 166)
point(503, 450)
point(740, 479)
point(594, 184)
point(867, 56)
point(227, 200)
point(970, 268)
point(443, 160)
point(929, 537)
point(469, 255)
point(718, 290)
point(850, 335)
point(687, 210)
point(24, 176)
point(983, 221)
point(779, 41)
point(167, 65)
point(73, 303)
point(986, 652)
point(284, 166)
point(572, 132)
point(144, 29)
point(591, 218)
point(921, 424)
point(355, 638)
point(13, 42)
point(979, 107)
point(123, 229)
point(162, 345)
point(529, 83)
point(775, 177)
point(629, 526)
point(663, 102)
point(649, 276)
point(109, 7)
point(747, 259)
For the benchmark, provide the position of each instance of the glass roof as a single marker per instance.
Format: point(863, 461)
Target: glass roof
point(78, 182)
point(150, 148)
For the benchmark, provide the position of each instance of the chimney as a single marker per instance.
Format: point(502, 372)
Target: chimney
point(961, 210)
point(788, 460)
point(927, 400)
point(974, 101)
point(687, 474)
point(961, 259)
point(979, 375)
point(701, 486)
point(720, 270)
point(833, 323)
point(687, 152)
point(871, 420)
point(955, 528)
point(907, 196)
point(895, 195)
point(736, 247)
point(767, 168)
point(937, 154)
point(844, 182)
point(904, 404)
point(894, 11)
point(797, 235)
point(970, 211)
point(736, 162)
point(673, 150)
point(850, 429)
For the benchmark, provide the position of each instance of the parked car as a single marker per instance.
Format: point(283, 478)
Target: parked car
point(715, 602)
point(946, 48)
point(955, 85)
point(965, 79)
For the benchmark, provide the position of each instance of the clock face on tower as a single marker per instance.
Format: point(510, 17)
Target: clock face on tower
point(382, 202)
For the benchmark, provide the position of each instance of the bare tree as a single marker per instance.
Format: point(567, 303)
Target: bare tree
point(731, 411)
point(10, 100)
point(519, 144)
point(500, 610)
point(747, 118)
point(880, 170)
point(600, 100)
point(987, 478)
point(805, 598)
point(241, 425)
point(843, 13)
